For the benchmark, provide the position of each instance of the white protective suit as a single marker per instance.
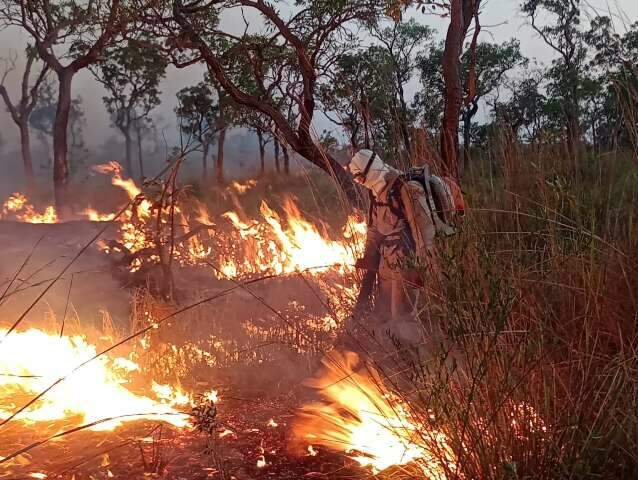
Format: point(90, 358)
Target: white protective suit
point(400, 230)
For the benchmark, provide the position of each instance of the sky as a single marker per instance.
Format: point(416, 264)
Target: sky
point(501, 20)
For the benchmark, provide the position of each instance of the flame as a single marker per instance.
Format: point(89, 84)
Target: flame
point(34, 359)
point(270, 244)
point(365, 421)
point(131, 238)
point(95, 216)
point(18, 205)
point(274, 246)
point(242, 188)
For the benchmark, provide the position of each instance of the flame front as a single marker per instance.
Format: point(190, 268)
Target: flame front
point(359, 417)
point(237, 246)
point(32, 360)
point(271, 245)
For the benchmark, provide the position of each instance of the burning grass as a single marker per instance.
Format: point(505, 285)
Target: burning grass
point(528, 369)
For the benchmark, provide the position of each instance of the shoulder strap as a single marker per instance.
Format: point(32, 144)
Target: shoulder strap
point(372, 201)
point(395, 204)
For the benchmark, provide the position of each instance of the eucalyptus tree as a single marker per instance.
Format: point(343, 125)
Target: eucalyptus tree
point(21, 108)
point(198, 114)
point(613, 68)
point(524, 110)
point(42, 120)
point(492, 61)
point(483, 70)
point(131, 72)
point(357, 95)
point(462, 14)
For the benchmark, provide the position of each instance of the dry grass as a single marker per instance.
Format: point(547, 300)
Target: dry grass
point(532, 366)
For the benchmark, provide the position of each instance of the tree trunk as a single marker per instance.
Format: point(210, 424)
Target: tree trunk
point(365, 114)
point(277, 165)
point(467, 138)
point(262, 153)
point(453, 89)
point(205, 161)
point(461, 14)
point(219, 167)
point(60, 147)
point(286, 160)
point(405, 131)
point(27, 161)
point(140, 155)
point(468, 114)
point(128, 147)
point(573, 141)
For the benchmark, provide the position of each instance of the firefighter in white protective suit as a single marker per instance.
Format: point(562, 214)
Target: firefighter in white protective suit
point(399, 249)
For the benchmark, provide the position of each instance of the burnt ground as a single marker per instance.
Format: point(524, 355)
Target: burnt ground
point(156, 450)
point(251, 395)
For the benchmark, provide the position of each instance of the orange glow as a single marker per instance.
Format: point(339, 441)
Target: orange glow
point(95, 216)
point(359, 417)
point(276, 246)
point(242, 188)
point(35, 359)
point(19, 207)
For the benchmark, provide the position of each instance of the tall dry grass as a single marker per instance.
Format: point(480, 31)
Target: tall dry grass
point(531, 366)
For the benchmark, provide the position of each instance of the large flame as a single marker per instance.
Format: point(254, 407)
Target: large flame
point(237, 246)
point(32, 360)
point(268, 245)
point(271, 245)
point(361, 418)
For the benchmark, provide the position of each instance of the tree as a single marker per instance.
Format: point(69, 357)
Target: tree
point(566, 38)
point(430, 100)
point(304, 42)
point(21, 110)
point(355, 90)
point(462, 13)
point(198, 112)
point(491, 62)
point(524, 111)
point(42, 120)
point(613, 73)
point(144, 127)
point(483, 69)
point(131, 72)
point(74, 32)
point(402, 42)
